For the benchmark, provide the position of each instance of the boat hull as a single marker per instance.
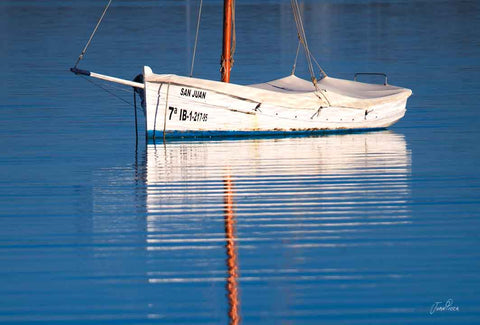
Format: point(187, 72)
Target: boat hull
point(173, 109)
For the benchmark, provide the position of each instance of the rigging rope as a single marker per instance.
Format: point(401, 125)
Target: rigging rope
point(234, 36)
point(318, 65)
point(196, 36)
point(80, 57)
point(303, 40)
point(108, 91)
point(296, 58)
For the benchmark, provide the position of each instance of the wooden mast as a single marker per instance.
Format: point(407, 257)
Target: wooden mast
point(226, 61)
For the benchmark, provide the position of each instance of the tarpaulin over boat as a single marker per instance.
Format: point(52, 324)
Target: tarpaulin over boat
point(339, 92)
point(295, 92)
point(293, 98)
point(347, 93)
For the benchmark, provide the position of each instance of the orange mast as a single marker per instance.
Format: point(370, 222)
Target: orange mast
point(226, 60)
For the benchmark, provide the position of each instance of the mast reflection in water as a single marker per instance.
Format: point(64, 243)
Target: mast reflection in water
point(232, 265)
point(275, 206)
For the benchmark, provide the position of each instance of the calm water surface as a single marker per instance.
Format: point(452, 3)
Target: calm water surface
point(342, 229)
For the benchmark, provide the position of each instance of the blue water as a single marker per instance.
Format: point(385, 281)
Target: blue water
point(342, 229)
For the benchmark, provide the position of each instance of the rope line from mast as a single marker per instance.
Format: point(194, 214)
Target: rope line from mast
point(296, 58)
point(234, 36)
point(318, 65)
point(80, 57)
point(303, 40)
point(196, 37)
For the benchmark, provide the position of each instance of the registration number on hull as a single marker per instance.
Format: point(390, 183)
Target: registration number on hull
point(186, 115)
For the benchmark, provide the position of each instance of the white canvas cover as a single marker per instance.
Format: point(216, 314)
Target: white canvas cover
point(340, 92)
point(293, 92)
point(276, 97)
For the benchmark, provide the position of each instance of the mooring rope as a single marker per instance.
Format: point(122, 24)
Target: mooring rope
point(135, 110)
point(80, 57)
point(196, 36)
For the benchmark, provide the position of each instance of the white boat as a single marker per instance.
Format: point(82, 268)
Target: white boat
point(184, 106)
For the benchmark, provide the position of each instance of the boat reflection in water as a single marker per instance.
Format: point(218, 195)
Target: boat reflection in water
point(279, 201)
